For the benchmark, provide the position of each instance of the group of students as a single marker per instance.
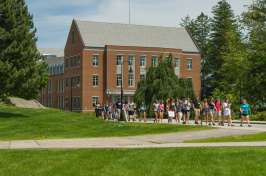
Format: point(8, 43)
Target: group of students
point(177, 109)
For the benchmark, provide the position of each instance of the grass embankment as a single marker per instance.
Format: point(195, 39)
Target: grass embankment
point(241, 138)
point(153, 161)
point(23, 123)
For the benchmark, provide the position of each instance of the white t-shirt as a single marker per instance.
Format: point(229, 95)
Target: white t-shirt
point(226, 110)
point(156, 107)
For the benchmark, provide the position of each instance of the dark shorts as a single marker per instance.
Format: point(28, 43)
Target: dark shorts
point(142, 111)
point(156, 111)
point(160, 110)
point(245, 115)
point(177, 111)
point(184, 111)
point(188, 110)
point(130, 112)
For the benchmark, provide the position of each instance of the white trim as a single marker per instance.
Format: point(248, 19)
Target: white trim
point(98, 60)
point(191, 63)
point(97, 80)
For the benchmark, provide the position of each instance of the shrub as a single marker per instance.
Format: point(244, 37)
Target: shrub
point(262, 116)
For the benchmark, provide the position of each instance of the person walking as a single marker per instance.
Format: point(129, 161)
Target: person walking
point(211, 111)
point(161, 110)
point(178, 111)
point(143, 111)
point(131, 111)
point(245, 111)
point(171, 108)
point(97, 109)
point(119, 107)
point(197, 107)
point(217, 110)
point(156, 110)
point(188, 110)
point(227, 112)
point(183, 105)
point(106, 111)
point(205, 108)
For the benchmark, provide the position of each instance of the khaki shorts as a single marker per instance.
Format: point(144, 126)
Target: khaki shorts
point(197, 111)
point(217, 113)
point(119, 111)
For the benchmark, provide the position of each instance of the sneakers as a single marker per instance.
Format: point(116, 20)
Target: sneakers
point(241, 125)
point(184, 122)
point(210, 124)
point(213, 124)
point(196, 123)
point(219, 123)
point(232, 125)
point(249, 125)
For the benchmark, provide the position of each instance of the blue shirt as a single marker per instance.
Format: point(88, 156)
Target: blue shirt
point(244, 107)
point(106, 107)
point(118, 105)
point(142, 107)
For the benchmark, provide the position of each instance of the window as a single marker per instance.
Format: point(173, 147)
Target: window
point(66, 102)
point(63, 85)
point(116, 98)
point(51, 90)
point(75, 81)
point(79, 80)
point(58, 69)
point(189, 64)
point(154, 61)
point(142, 61)
point(75, 102)
point(51, 102)
point(60, 102)
point(63, 102)
point(142, 77)
point(189, 78)
point(66, 82)
point(57, 102)
point(167, 58)
point(131, 60)
point(118, 80)
point(71, 81)
point(66, 62)
point(53, 70)
point(125, 98)
point(73, 37)
point(79, 60)
point(71, 61)
point(95, 60)
point(75, 61)
point(58, 85)
point(119, 59)
point(95, 80)
point(94, 101)
point(63, 68)
point(176, 62)
point(130, 80)
point(78, 102)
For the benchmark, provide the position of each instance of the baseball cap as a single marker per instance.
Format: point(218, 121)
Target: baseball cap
point(217, 96)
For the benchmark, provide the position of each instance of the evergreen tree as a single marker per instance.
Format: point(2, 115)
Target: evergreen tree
point(255, 20)
point(223, 22)
point(161, 83)
point(19, 73)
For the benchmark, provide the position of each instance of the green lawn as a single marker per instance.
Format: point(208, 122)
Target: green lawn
point(235, 161)
point(22, 123)
point(241, 138)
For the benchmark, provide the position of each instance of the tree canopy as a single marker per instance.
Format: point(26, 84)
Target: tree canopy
point(19, 73)
point(162, 83)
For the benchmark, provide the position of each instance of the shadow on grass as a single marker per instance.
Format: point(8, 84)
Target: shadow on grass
point(11, 115)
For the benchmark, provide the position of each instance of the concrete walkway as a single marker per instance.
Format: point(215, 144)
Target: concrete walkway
point(146, 141)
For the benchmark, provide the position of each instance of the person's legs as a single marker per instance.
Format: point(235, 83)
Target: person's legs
point(202, 118)
point(247, 118)
point(223, 120)
point(140, 116)
point(188, 113)
point(206, 118)
point(145, 117)
point(242, 119)
point(118, 112)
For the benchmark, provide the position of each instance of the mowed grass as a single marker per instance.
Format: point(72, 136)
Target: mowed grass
point(235, 161)
point(23, 123)
point(240, 138)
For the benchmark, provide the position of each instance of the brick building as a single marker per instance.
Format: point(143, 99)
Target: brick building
point(92, 62)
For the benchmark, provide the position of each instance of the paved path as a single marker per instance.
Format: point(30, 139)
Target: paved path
point(146, 141)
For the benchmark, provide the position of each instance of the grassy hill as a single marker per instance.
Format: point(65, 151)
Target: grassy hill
point(24, 123)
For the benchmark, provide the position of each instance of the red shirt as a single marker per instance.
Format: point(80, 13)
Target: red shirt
point(218, 105)
point(161, 107)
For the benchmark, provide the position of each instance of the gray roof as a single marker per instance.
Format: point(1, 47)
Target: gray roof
point(53, 61)
point(98, 34)
point(51, 51)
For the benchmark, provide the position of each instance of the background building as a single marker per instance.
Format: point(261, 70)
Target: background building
point(94, 51)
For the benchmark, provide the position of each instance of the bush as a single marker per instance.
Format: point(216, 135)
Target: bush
point(262, 116)
point(261, 109)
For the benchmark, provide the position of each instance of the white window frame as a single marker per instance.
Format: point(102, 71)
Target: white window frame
point(63, 103)
point(131, 81)
point(178, 60)
point(95, 101)
point(156, 61)
point(79, 104)
point(133, 62)
point(145, 58)
point(63, 84)
point(79, 62)
point(188, 64)
point(97, 60)
point(97, 80)
point(117, 80)
point(57, 85)
point(122, 58)
point(142, 78)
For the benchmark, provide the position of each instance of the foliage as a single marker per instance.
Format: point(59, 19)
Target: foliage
point(162, 83)
point(19, 73)
point(262, 116)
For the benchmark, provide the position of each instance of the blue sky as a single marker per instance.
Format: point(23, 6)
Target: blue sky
point(53, 18)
